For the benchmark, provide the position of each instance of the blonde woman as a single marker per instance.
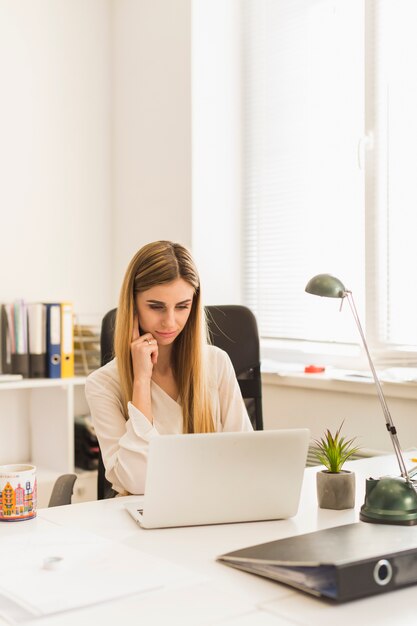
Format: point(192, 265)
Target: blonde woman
point(165, 378)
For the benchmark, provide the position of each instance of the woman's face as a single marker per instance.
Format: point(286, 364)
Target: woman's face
point(163, 310)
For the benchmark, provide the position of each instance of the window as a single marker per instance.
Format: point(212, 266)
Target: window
point(330, 130)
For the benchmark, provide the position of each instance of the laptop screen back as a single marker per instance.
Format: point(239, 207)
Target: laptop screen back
point(224, 477)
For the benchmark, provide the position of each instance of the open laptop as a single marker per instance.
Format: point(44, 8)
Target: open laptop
point(221, 478)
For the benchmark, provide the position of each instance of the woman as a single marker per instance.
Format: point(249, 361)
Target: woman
point(164, 379)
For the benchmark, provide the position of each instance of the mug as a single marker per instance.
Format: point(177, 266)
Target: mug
point(18, 492)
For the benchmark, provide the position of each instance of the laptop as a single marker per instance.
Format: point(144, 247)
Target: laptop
point(220, 478)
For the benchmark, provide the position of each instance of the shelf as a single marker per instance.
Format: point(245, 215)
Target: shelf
point(37, 425)
point(35, 383)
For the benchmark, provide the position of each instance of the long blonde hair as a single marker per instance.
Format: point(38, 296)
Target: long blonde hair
point(158, 263)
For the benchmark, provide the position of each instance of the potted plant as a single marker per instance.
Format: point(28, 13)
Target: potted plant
point(335, 486)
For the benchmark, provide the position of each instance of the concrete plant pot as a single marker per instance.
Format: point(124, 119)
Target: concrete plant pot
point(336, 490)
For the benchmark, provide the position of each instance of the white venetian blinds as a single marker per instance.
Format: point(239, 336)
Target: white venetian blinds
point(330, 165)
point(303, 77)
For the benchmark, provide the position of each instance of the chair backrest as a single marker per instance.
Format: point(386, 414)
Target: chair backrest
point(232, 328)
point(62, 490)
point(107, 336)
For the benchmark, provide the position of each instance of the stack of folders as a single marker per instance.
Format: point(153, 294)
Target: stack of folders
point(87, 353)
point(37, 339)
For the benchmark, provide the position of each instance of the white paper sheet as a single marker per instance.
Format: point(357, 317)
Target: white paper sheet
point(91, 570)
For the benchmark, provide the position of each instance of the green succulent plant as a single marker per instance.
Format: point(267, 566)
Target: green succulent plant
point(333, 451)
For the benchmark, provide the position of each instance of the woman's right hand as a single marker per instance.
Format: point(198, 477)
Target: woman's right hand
point(144, 351)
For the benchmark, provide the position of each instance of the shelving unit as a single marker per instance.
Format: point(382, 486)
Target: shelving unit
point(37, 426)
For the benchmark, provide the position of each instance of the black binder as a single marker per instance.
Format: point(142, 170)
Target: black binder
point(37, 339)
point(5, 349)
point(341, 563)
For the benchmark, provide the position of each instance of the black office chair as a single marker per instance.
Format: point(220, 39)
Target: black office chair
point(232, 328)
point(62, 490)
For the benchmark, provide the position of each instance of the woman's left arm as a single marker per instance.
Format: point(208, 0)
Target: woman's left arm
point(234, 416)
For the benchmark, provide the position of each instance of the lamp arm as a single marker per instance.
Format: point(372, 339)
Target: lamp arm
point(388, 419)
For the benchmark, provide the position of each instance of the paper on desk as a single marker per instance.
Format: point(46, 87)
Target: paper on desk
point(92, 570)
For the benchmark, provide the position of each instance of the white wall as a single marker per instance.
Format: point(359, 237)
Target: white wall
point(294, 406)
point(176, 127)
point(96, 119)
point(151, 126)
point(216, 148)
point(55, 165)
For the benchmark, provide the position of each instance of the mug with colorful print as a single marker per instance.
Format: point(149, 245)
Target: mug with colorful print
point(18, 492)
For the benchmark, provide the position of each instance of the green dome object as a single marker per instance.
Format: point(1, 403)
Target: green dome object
point(390, 501)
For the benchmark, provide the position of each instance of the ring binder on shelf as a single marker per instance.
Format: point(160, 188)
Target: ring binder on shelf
point(17, 336)
point(37, 339)
point(5, 349)
point(67, 340)
point(53, 339)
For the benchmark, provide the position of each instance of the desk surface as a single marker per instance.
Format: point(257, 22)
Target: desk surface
point(222, 595)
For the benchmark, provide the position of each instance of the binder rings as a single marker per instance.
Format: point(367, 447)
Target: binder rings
point(67, 340)
point(341, 563)
point(53, 340)
point(37, 339)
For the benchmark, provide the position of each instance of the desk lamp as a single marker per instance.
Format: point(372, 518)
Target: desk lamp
point(388, 500)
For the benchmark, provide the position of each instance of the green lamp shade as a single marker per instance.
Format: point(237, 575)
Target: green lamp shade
point(326, 285)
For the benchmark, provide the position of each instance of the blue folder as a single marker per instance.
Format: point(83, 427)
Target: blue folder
point(53, 339)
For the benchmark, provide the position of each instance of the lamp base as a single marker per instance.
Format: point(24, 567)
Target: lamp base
point(389, 501)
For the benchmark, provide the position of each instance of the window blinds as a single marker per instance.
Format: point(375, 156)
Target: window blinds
point(319, 77)
point(303, 82)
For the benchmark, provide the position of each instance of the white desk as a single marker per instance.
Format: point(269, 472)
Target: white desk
point(222, 595)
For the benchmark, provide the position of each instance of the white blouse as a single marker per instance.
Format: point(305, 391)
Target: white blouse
point(124, 443)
